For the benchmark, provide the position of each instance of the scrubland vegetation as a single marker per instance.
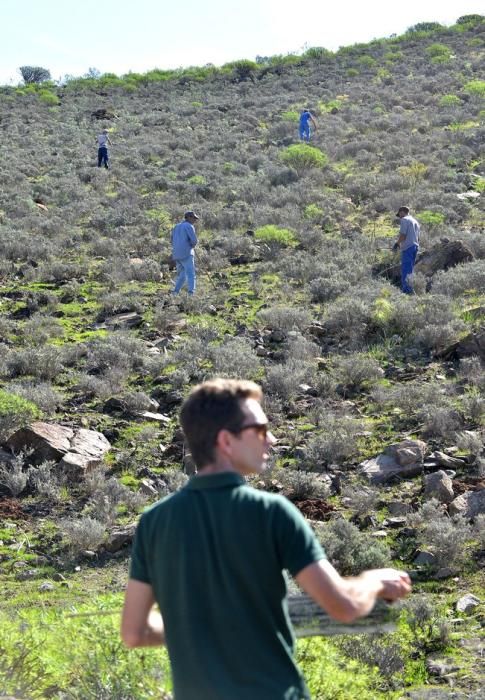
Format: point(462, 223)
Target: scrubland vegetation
point(296, 290)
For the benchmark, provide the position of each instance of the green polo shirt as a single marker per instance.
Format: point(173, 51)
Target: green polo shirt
point(214, 553)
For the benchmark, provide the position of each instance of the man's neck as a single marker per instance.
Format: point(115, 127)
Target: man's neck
point(216, 468)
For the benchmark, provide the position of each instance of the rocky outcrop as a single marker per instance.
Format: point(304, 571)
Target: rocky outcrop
point(119, 537)
point(75, 450)
point(470, 504)
point(440, 486)
point(400, 460)
point(443, 256)
point(472, 345)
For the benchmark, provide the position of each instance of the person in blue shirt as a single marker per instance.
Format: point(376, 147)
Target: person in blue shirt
point(305, 118)
point(103, 141)
point(408, 243)
point(184, 240)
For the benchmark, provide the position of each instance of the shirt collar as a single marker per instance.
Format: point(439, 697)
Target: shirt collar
point(215, 481)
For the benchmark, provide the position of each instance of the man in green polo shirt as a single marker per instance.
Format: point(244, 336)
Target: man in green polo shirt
point(213, 556)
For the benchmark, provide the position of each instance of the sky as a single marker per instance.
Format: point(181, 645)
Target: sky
point(68, 37)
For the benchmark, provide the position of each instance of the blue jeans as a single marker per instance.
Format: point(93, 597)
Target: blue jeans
point(103, 156)
point(408, 258)
point(305, 132)
point(185, 273)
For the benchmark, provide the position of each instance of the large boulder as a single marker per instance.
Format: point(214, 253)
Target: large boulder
point(119, 537)
point(439, 485)
point(399, 460)
point(75, 450)
point(443, 256)
point(471, 345)
point(470, 504)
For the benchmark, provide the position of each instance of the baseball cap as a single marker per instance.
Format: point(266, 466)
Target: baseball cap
point(191, 215)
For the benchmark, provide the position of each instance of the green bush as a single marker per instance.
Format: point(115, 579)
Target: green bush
point(48, 98)
point(470, 19)
point(15, 412)
point(450, 101)
point(290, 116)
point(475, 87)
point(302, 156)
point(242, 69)
point(312, 211)
point(431, 218)
point(425, 27)
point(479, 185)
point(274, 234)
point(439, 53)
point(317, 53)
point(197, 180)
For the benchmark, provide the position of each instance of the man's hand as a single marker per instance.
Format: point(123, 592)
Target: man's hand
point(395, 247)
point(395, 584)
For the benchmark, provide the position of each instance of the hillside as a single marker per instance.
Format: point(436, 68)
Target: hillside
point(297, 289)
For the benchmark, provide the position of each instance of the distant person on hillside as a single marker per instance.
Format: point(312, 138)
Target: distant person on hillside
point(408, 243)
point(213, 556)
point(103, 141)
point(184, 240)
point(305, 118)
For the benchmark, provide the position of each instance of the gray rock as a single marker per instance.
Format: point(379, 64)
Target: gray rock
point(443, 256)
point(147, 488)
point(159, 417)
point(119, 537)
point(440, 667)
point(308, 390)
point(75, 450)
point(472, 345)
point(467, 603)
point(125, 320)
point(403, 459)
point(439, 485)
point(398, 508)
point(445, 460)
point(407, 452)
point(380, 533)
point(470, 504)
point(277, 336)
point(444, 572)
point(394, 522)
point(46, 586)
point(424, 559)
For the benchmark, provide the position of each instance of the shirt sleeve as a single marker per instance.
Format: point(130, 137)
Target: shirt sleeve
point(139, 566)
point(192, 236)
point(296, 542)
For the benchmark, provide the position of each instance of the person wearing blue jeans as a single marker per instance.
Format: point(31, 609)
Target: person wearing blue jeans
point(103, 141)
point(305, 118)
point(408, 243)
point(184, 240)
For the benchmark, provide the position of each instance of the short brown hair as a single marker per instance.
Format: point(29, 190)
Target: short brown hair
point(213, 406)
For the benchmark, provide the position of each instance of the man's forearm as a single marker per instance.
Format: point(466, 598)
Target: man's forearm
point(362, 592)
point(346, 599)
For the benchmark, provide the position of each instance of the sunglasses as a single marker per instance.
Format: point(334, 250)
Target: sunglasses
point(261, 428)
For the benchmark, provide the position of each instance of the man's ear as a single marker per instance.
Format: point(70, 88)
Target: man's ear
point(224, 441)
